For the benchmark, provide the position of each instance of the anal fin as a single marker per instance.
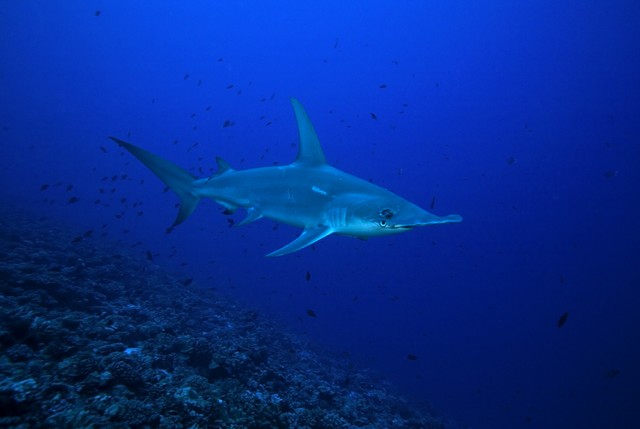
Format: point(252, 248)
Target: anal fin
point(228, 208)
point(309, 236)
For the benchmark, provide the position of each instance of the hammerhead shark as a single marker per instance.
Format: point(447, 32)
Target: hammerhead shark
point(307, 193)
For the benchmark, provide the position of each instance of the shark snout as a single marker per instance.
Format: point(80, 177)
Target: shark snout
point(429, 219)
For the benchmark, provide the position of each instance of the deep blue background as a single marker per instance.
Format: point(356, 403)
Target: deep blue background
point(523, 117)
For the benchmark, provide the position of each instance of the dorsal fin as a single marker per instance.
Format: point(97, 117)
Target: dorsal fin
point(223, 166)
point(309, 150)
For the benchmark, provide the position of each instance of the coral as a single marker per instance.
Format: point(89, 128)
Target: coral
point(19, 353)
point(20, 391)
point(86, 341)
point(78, 367)
point(127, 374)
point(135, 413)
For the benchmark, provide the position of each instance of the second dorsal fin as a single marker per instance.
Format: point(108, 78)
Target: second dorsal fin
point(223, 166)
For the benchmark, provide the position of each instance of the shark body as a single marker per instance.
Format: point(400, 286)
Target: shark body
point(307, 193)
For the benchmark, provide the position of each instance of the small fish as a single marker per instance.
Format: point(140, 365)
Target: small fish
point(88, 233)
point(230, 86)
point(335, 45)
point(382, 86)
point(311, 313)
point(308, 276)
point(70, 187)
point(612, 373)
point(103, 149)
point(77, 239)
point(188, 281)
point(97, 13)
point(149, 255)
point(44, 187)
point(373, 115)
point(433, 201)
point(73, 200)
point(563, 319)
point(186, 76)
point(227, 123)
point(412, 357)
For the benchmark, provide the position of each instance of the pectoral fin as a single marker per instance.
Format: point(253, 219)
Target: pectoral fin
point(309, 236)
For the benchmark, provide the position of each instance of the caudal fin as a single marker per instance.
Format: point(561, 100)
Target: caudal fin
point(180, 181)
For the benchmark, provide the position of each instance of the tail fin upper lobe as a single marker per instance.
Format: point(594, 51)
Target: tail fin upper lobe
point(180, 181)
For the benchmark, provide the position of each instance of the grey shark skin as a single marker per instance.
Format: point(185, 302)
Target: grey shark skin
point(307, 193)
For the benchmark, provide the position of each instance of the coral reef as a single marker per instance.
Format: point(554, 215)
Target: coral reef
point(91, 337)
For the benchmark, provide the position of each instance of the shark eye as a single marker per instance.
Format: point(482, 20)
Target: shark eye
point(383, 223)
point(386, 213)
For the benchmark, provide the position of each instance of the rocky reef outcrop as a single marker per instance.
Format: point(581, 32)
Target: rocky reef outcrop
point(93, 337)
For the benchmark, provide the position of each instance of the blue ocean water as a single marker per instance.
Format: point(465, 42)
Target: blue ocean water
point(520, 116)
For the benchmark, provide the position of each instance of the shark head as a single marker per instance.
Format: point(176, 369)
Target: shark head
point(371, 217)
